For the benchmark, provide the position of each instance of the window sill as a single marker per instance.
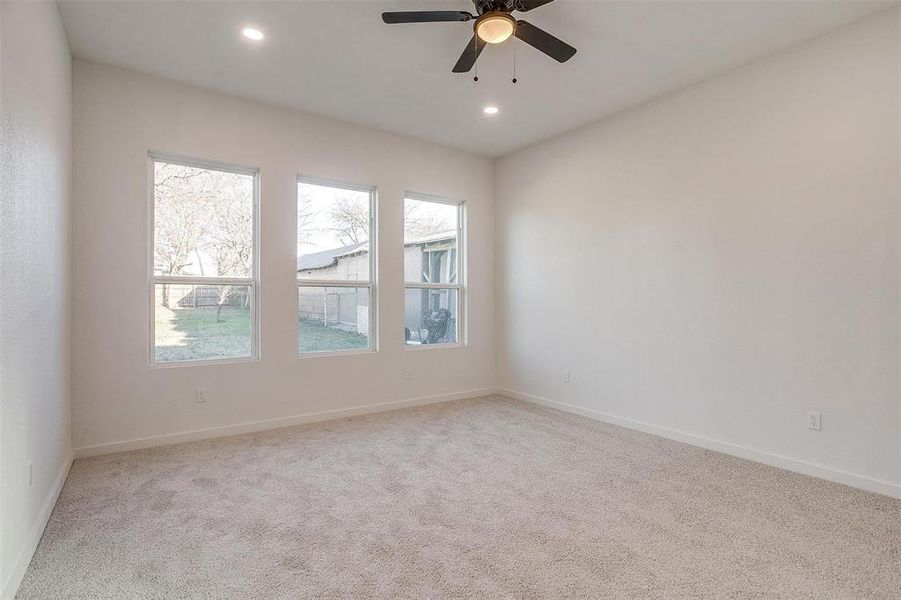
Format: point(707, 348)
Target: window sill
point(204, 362)
point(334, 353)
point(434, 346)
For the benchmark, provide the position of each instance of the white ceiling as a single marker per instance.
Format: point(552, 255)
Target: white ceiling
point(337, 58)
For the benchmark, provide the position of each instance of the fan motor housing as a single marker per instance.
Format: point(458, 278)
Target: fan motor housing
point(488, 6)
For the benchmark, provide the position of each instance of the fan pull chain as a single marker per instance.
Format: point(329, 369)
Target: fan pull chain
point(514, 58)
point(475, 51)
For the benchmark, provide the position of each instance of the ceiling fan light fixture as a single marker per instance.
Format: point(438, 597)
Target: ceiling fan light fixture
point(495, 28)
point(494, 25)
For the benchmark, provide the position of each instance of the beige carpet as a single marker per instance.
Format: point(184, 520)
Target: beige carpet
point(478, 498)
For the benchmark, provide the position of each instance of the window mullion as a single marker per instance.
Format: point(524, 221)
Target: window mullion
point(433, 286)
point(348, 283)
point(191, 280)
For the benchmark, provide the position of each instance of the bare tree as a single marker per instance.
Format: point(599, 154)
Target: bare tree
point(420, 223)
point(180, 202)
point(203, 215)
point(306, 216)
point(350, 220)
point(231, 235)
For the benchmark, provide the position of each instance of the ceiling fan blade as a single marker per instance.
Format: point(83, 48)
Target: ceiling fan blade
point(470, 55)
point(527, 5)
point(542, 40)
point(425, 16)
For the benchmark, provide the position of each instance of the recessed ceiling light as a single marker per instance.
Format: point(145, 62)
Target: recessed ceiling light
point(252, 34)
point(490, 110)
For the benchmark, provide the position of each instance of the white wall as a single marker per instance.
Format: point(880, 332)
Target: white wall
point(118, 116)
point(35, 145)
point(720, 261)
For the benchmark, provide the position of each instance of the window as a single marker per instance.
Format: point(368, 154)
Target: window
point(203, 286)
point(433, 271)
point(335, 268)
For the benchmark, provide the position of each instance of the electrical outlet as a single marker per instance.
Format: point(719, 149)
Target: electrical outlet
point(30, 474)
point(408, 374)
point(814, 421)
point(567, 375)
point(201, 395)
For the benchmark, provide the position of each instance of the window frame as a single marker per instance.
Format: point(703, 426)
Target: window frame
point(371, 284)
point(253, 282)
point(460, 286)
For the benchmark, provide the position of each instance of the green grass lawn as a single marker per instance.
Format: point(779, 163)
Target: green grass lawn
point(194, 334)
point(315, 337)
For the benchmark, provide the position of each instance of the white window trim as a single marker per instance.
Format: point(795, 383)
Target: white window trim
point(370, 284)
point(253, 282)
point(460, 286)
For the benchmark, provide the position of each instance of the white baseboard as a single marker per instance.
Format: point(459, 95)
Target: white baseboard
point(254, 426)
point(11, 585)
point(783, 462)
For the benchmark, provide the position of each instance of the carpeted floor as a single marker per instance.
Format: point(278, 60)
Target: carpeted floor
point(477, 498)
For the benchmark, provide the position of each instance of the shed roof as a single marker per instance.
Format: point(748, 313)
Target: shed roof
point(327, 258)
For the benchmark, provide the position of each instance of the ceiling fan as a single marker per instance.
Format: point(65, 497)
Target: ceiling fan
point(493, 25)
